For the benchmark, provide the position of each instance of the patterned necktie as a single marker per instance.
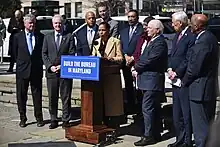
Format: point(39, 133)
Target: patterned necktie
point(58, 41)
point(29, 43)
point(131, 32)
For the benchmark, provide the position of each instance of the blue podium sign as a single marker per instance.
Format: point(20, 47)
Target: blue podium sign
point(80, 67)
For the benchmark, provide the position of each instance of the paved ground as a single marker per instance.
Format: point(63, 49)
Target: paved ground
point(11, 133)
point(14, 136)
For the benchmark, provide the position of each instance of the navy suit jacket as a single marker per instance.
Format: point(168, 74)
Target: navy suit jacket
point(128, 47)
point(28, 65)
point(152, 65)
point(82, 48)
point(180, 52)
point(202, 68)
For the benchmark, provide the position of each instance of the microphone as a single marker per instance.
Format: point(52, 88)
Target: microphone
point(95, 42)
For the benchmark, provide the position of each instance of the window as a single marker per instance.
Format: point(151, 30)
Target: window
point(67, 9)
point(26, 10)
point(78, 9)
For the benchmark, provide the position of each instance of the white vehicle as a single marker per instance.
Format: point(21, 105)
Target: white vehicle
point(44, 24)
point(169, 32)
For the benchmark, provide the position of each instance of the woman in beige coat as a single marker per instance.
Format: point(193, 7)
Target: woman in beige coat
point(109, 48)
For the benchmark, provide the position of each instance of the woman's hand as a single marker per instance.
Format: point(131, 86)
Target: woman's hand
point(110, 58)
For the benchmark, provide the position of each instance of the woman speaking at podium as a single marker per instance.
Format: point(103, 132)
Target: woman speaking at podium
point(109, 49)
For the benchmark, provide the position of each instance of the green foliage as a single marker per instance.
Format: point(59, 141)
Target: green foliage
point(7, 7)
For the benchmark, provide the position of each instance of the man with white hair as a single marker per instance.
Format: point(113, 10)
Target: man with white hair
point(177, 65)
point(56, 44)
point(29, 69)
point(150, 68)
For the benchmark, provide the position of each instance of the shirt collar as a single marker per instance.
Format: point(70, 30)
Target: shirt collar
point(27, 33)
point(134, 26)
point(55, 33)
point(93, 28)
point(184, 30)
point(154, 38)
point(200, 34)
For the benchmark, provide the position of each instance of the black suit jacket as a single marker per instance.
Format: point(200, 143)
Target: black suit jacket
point(128, 46)
point(28, 65)
point(151, 65)
point(180, 52)
point(51, 55)
point(201, 73)
point(82, 48)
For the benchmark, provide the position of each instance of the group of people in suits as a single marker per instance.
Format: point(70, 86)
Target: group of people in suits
point(140, 50)
point(193, 60)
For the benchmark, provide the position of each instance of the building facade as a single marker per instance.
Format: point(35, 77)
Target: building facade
point(78, 8)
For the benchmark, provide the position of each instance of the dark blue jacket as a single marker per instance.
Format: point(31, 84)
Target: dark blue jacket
point(201, 73)
point(128, 47)
point(152, 65)
point(180, 52)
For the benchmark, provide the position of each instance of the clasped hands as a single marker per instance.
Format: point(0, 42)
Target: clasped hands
point(172, 74)
point(128, 59)
point(55, 68)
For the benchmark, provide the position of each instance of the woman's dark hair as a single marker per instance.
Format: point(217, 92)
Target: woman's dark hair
point(148, 19)
point(107, 26)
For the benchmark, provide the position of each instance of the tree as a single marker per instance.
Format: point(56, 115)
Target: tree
point(7, 7)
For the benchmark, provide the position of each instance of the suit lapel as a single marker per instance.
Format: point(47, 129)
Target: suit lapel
point(53, 41)
point(109, 46)
point(25, 43)
point(136, 31)
point(149, 46)
point(62, 41)
point(176, 44)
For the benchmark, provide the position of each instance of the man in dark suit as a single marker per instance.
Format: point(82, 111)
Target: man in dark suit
point(182, 43)
point(150, 69)
point(29, 69)
point(129, 37)
point(16, 24)
point(67, 26)
point(56, 44)
point(104, 11)
point(86, 35)
point(201, 78)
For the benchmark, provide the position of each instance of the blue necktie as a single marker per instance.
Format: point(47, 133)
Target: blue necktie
point(29, 43)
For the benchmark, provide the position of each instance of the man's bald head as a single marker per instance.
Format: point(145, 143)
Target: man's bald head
point(18, 14)
point(199, 22)
point(90, 18)
point(89, 13)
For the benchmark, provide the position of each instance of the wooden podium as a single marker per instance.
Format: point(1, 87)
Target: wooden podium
point(92, 128)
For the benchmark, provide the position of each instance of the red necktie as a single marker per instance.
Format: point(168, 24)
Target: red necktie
point(179, 37)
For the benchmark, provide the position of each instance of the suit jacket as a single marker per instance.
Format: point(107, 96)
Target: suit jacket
point(113, 49)
point(13, 23)
point(113, 27)
point(51, 55)
point(151, 65)
point(180, 52)
point(82, 48)
point(128, 47)
point(28, 65)
point(201, 73)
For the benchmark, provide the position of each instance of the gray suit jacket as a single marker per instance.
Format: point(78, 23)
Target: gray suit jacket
point(51, 55)
point(113, 27)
